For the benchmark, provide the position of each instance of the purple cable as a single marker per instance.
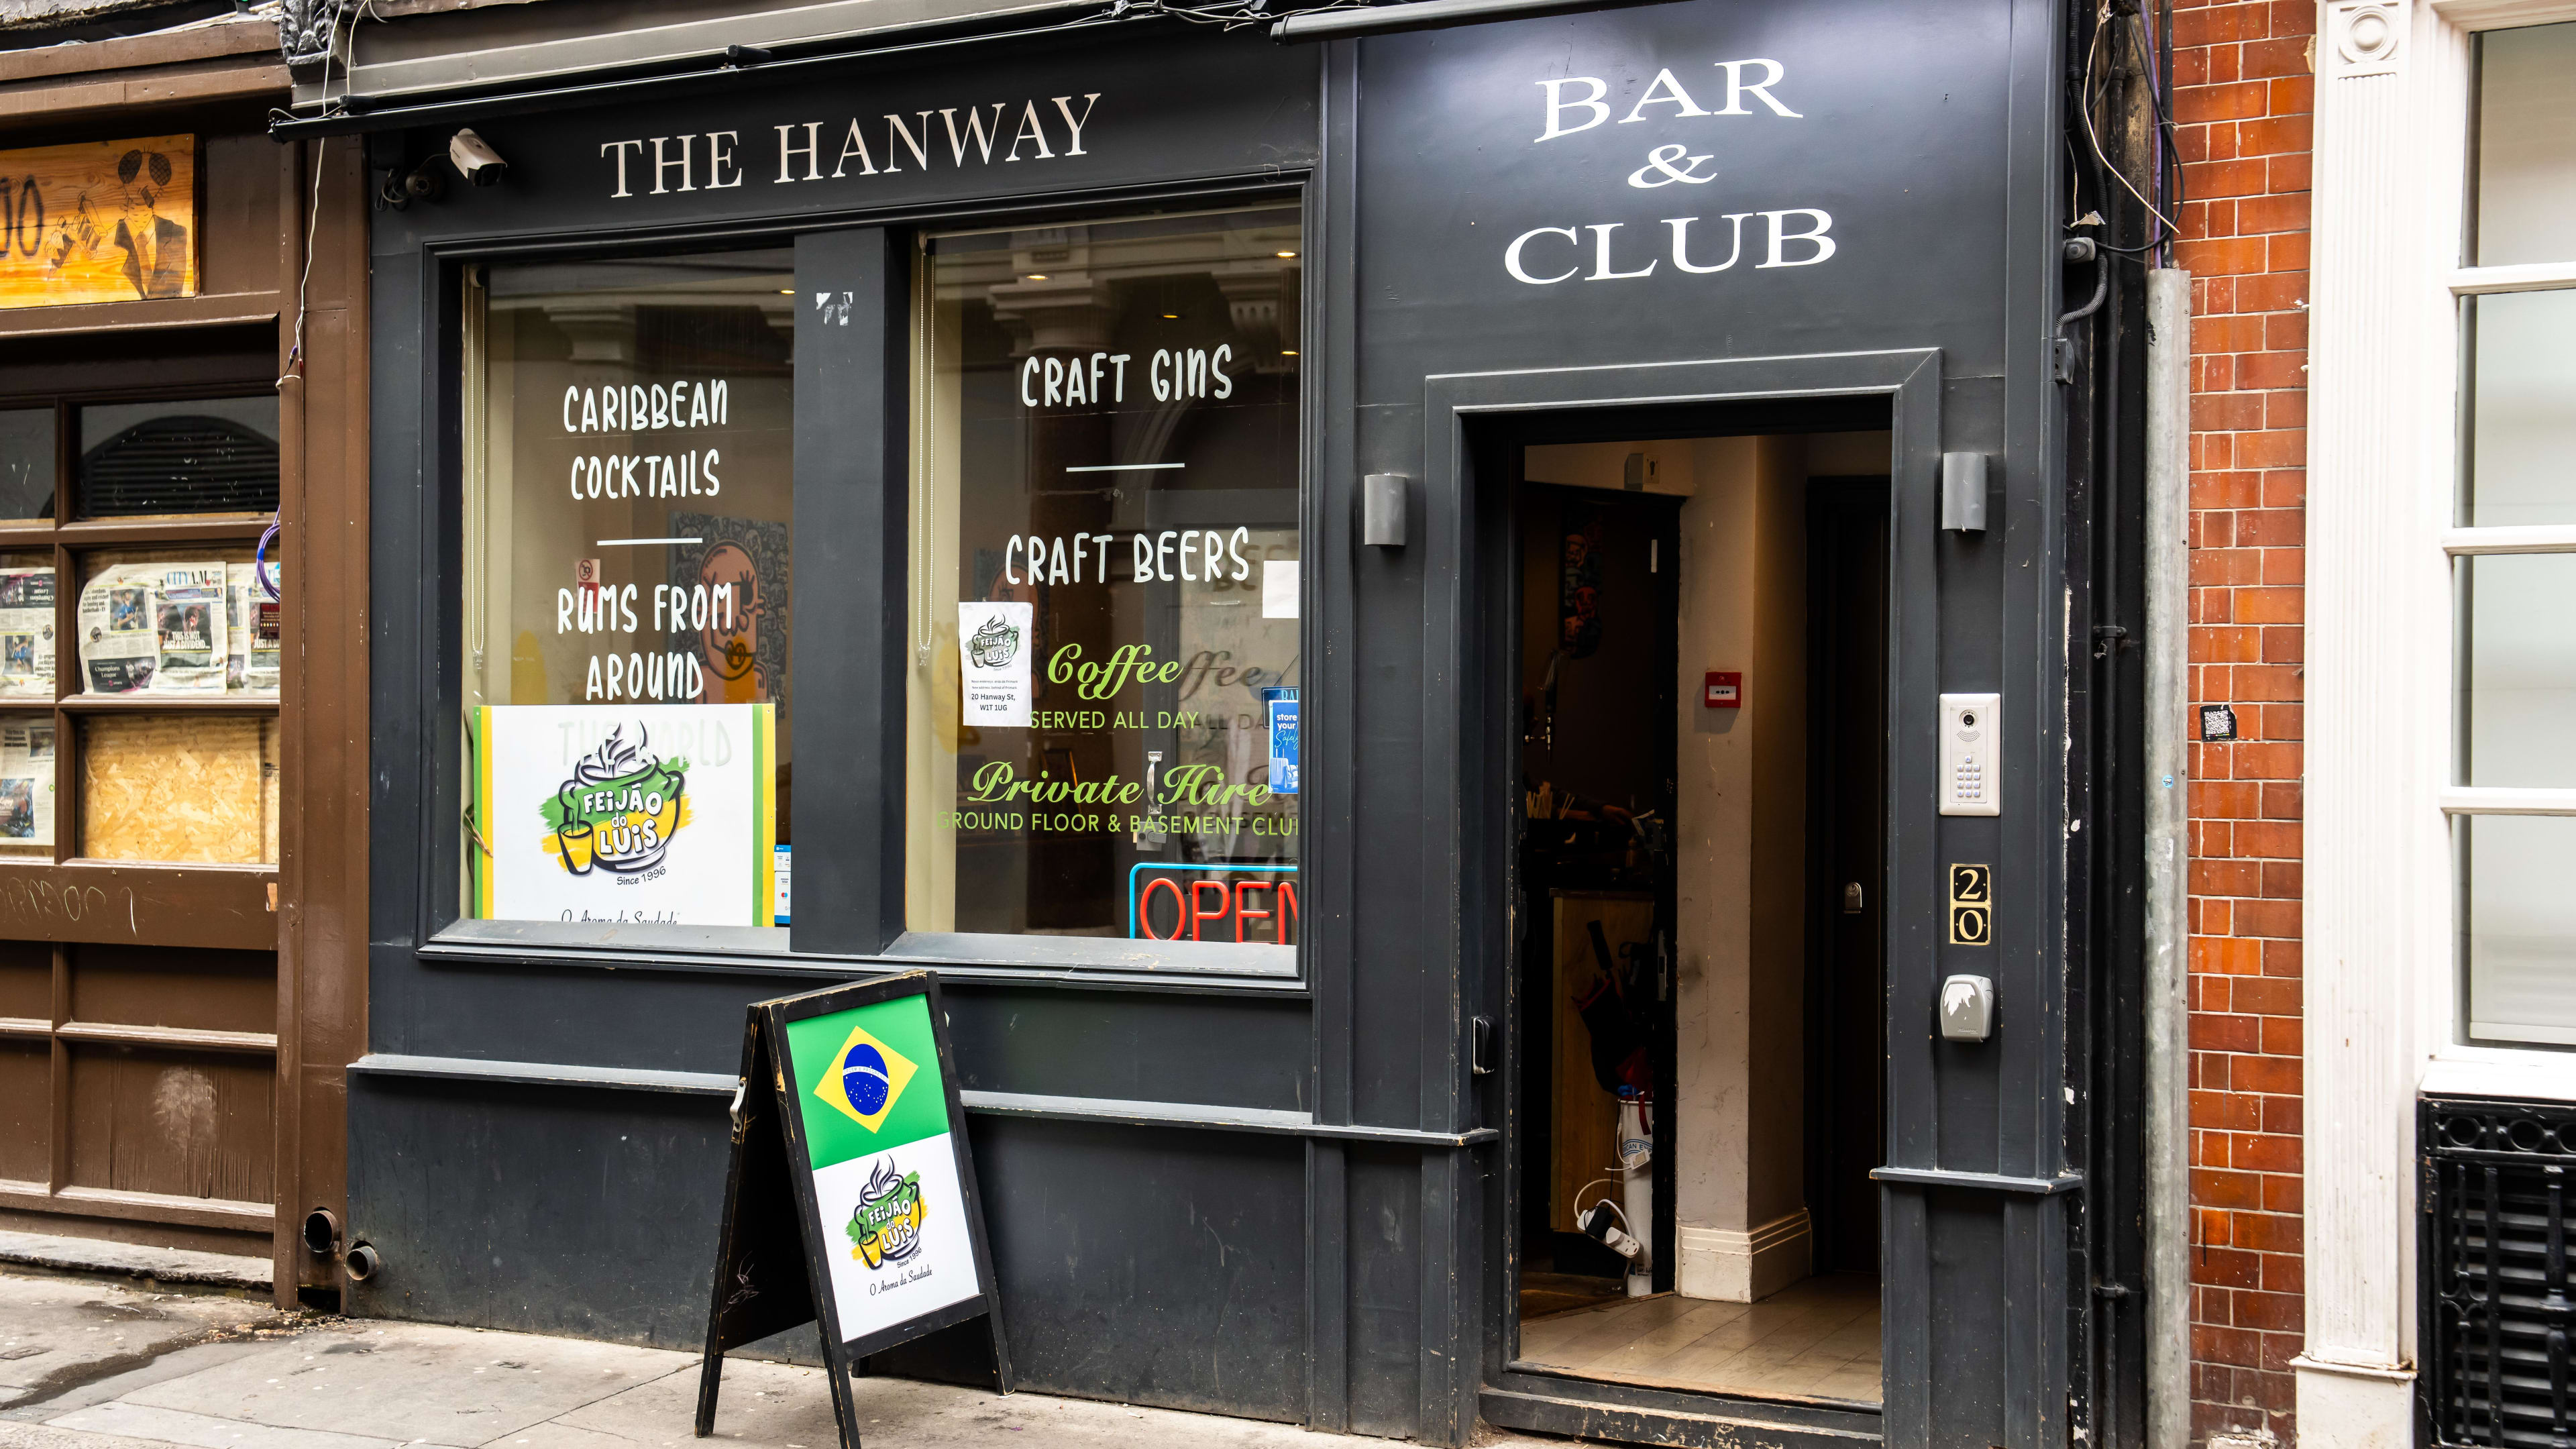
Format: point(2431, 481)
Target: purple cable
point(259, 563)
point(2156, 142)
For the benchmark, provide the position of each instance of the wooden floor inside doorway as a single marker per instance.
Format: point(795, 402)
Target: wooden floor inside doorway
point(1815, 1339)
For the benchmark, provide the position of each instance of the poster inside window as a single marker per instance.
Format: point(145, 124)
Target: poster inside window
point(26, 784)
point(629, 591)
point(1105, 670)
point(27, 621)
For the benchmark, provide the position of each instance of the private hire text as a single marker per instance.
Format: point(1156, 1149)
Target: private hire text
point(998, 782)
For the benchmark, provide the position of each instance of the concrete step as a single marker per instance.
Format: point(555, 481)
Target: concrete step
point(165, 1267)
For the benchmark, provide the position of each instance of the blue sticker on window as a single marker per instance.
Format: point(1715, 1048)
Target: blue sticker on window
point(1282, 705)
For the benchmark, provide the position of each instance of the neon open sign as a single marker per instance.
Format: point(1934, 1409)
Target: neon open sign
point(1255, 904)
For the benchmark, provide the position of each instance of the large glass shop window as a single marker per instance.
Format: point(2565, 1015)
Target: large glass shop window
point(628, 591)
point(1104, 647)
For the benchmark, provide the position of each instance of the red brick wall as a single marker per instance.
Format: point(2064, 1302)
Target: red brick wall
point(2243, 94)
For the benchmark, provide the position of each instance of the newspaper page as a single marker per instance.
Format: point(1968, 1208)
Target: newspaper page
point(251, 619)
point(191, 623)
point(26, 783)
point(27, 633)
point(119, 647)
point(157, 627)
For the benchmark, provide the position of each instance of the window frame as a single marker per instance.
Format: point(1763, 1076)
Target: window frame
point(1124, 953)
point(71, 541)
point(861, 921)
point(2456, 1060)
point(447, 923)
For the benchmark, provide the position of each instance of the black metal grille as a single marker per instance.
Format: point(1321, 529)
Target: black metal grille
point(180, 463)
point(2497, 1312)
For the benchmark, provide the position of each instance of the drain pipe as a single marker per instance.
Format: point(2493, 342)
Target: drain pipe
point(2168, 974)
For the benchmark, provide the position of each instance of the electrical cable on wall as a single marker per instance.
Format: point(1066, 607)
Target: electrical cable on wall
point(313, 219)
point(2169, 174)
point(746, 59)
point(2092, 58)
point(2164, 184)
point(295, 354)
point(2165, 195)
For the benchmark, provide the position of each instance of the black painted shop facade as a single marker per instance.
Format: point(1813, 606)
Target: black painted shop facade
point(1264, 1180)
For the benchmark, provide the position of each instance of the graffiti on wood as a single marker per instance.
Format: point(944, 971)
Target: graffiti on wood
point(32, 902)
point(98, 221)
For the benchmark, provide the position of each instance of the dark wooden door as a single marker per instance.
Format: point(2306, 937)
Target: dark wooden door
point(181, 937)
point(1847, 579)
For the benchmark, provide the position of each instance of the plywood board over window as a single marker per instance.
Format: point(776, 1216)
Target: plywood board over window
point(98, 221)
point(193, 788)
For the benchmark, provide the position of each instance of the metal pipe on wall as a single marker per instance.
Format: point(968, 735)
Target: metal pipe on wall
point(2168, 974)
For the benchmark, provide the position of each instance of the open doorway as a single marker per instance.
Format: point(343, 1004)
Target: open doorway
point(1698, 983)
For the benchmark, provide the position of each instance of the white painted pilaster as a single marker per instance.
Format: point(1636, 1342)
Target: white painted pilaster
point(2385, 228)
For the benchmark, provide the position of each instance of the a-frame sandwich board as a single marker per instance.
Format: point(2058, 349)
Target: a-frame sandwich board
point(851, 1196)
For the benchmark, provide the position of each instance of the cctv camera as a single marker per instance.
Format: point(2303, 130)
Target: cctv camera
point(475, 161)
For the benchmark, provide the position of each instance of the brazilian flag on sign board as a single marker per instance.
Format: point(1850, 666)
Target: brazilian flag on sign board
point(867, 1079)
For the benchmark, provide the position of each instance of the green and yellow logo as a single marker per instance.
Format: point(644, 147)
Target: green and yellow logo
point(886, 1225)
point(620, 809)
point(865, 1079)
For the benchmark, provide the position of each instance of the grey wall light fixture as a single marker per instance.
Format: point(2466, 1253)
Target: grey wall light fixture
point(1963, 492)
point(1382, 509)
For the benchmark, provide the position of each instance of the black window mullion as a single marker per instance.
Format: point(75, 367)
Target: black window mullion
point(853, 467)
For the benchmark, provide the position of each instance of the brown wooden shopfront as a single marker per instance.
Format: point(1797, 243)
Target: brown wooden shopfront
point(181, 963)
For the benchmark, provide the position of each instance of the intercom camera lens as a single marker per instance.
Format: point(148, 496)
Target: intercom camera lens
point(1968, 719)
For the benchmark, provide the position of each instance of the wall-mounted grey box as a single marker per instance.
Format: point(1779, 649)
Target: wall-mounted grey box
point(1963, 492)
point(1382, 508)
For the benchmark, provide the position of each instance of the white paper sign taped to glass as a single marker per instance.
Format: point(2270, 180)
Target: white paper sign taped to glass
point(994, 648)
point(655, 812)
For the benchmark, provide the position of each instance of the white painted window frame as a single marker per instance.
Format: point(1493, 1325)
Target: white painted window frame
point(2452, 1063)
point(2381, 968)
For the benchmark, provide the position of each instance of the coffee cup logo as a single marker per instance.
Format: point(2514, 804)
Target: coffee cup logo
point(620, 810)
point(886, 1225)
point(995, 645)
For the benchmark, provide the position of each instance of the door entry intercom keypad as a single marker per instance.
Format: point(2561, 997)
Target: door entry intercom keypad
point(1971, 754)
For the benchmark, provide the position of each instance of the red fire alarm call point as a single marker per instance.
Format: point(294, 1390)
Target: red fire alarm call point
point(1725, 690)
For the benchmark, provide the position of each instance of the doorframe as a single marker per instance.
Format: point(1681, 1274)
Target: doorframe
point(1469, 1257)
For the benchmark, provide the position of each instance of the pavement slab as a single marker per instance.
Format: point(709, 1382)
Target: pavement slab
point(762, 1403)
point(785, 1405)
point(160, 1266)
point(58, 1333)
point(416, 1384)
point(46, 1436)
point(204, 1431)
point(116, 1368)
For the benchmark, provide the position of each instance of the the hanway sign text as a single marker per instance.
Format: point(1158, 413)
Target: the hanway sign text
point(956, 137)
